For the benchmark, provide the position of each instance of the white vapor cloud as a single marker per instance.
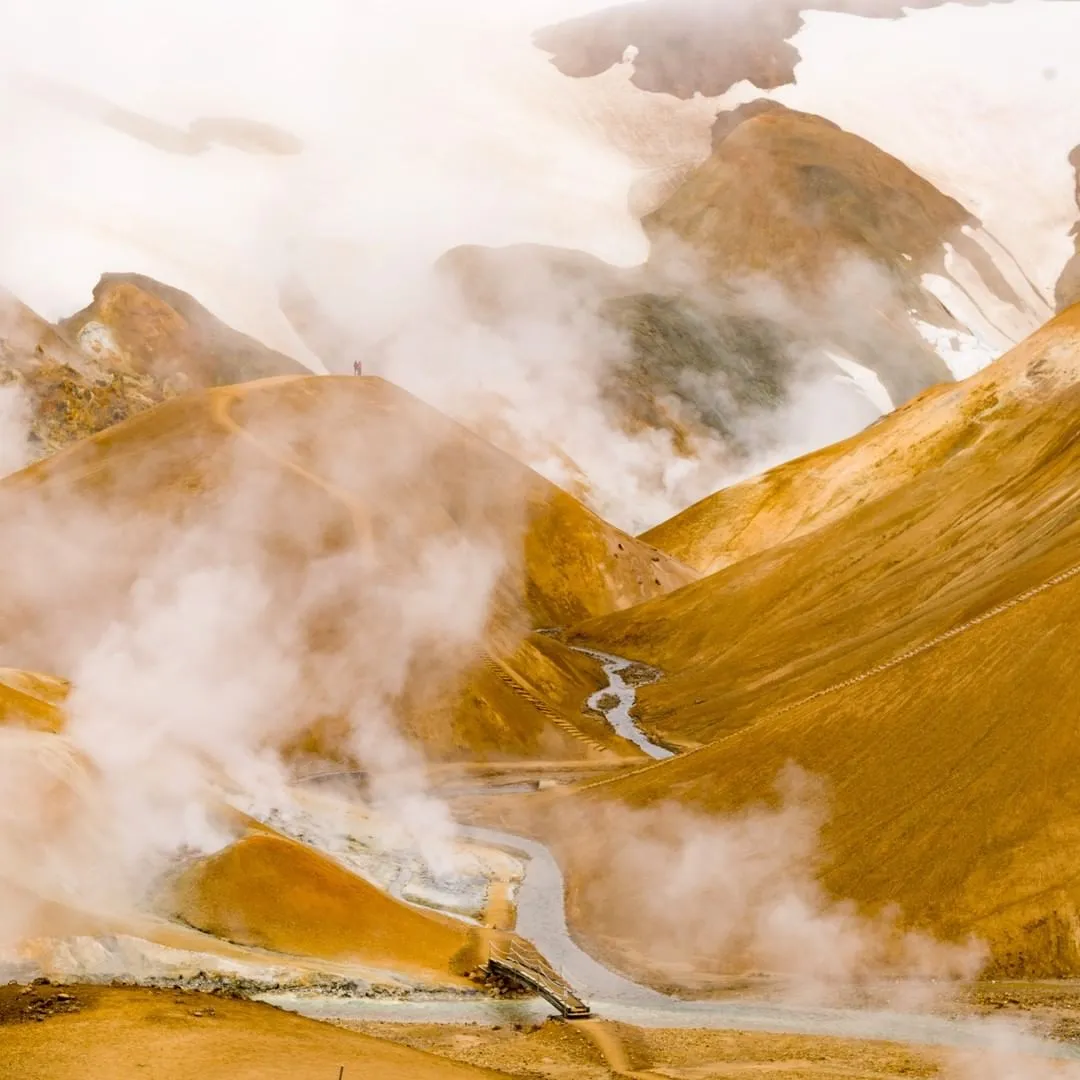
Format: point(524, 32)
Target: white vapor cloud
point(14, 428)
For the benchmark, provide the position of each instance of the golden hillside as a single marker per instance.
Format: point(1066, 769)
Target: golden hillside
point(351, 501)
point(913, 652)
point(28, 699)
point(806, 494)
point(272, 893)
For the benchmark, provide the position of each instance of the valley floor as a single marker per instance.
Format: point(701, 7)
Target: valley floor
point(560, 1051)
point(51, 1032)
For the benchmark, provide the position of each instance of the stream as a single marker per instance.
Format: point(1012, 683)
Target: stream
point(541, 919)
point(618, 715)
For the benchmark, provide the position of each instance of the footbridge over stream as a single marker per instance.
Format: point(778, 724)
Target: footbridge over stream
point(517, 960)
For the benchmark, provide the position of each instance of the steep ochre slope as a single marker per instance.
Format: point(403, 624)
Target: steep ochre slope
point(950, 775)
point(273, 893)
point(348, 499)
point(32, 700)
point(950, 787)
point(806, 494)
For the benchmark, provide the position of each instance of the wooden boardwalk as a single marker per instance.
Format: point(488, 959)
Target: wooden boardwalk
point(519, 960)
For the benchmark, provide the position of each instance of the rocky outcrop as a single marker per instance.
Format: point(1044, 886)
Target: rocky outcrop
point(137, 344)
point(68, 395)
point(685, 47)
point(138, 324)
point(1068, 286)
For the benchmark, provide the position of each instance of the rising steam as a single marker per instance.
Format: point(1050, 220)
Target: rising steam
point(348, 147)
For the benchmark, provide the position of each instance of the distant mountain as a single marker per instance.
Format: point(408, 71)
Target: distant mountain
point(684, 47)
point(137, 344)
point(1068, 286)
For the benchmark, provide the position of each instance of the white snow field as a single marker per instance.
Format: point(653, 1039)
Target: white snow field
point(400, 130)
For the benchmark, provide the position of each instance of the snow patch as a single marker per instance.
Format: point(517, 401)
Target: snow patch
point(1031, 299)
point(962, 96)
point(964, 353)
point(864, 378)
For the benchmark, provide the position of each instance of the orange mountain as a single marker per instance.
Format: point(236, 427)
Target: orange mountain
point(347, 498)
point(910, 647)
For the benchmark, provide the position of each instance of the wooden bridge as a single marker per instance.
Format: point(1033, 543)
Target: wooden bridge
point(516, 959)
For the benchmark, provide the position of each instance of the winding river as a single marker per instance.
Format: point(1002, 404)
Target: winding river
point(541, 918)
point(618, 715)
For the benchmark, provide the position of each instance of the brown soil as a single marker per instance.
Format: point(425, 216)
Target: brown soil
point(563, 1051)
point(126, 1034)
point(640, 675)
point(1053, 1007)
point(37, 1002)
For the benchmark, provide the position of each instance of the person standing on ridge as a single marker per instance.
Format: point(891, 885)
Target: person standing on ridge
point(356, 368)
